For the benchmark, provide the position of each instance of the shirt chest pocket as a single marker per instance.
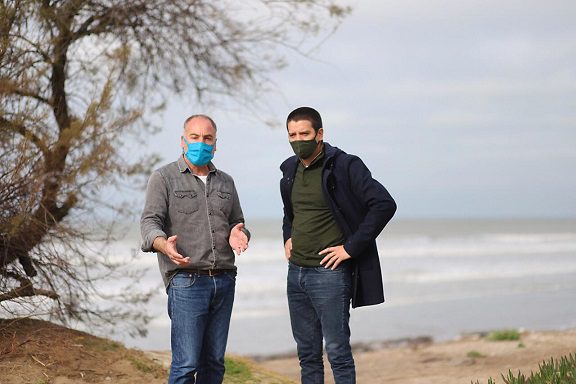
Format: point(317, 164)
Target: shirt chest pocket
point(223, 201)
point(186, 201)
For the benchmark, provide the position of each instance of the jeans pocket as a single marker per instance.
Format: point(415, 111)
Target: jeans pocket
point(183, 280)
point(340, 278)
point(338, 270)
point(231, 276)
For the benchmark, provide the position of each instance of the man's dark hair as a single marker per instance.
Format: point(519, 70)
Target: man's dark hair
point(306, 113)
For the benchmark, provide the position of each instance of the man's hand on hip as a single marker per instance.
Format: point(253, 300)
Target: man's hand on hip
point(334, 256)
point(288, 248)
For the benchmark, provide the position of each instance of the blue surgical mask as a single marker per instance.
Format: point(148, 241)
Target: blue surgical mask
point(198, 152)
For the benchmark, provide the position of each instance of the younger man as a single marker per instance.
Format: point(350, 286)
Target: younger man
point(333, 212)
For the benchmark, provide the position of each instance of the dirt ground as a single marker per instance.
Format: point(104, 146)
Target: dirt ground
point(456, 362)
point(38, 352)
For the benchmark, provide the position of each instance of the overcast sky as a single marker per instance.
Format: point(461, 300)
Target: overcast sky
point(459, 108)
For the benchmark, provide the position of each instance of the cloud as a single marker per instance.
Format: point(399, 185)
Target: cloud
point(460, 108)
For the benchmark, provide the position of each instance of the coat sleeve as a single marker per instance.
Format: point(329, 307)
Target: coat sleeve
point(287, 203)
point(288, 215)
point(375, 201)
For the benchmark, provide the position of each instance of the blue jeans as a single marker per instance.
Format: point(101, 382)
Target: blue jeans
point(199, 307)
point(319, 303)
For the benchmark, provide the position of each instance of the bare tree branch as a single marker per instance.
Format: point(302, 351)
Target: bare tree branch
point(80, 77)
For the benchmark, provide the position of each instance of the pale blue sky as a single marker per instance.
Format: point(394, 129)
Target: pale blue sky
point(460, 108)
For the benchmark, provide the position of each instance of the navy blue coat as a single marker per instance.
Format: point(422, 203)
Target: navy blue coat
point(361, 207)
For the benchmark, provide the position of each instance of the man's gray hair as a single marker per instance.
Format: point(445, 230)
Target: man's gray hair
point(200, 115)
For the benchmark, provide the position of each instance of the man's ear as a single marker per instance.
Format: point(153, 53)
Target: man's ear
point(183, 144)
point(214, 149)
point(320, 134)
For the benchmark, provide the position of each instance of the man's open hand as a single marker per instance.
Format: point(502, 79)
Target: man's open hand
point(168, 247)
point(238, 239)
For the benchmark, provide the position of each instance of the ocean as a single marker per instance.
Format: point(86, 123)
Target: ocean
point(442, 279)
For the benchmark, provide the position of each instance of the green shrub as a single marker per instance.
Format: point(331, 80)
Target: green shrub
point(474, 354)
point(237, 371)
point(504, 335)
point(146, 366)
point(242, 371)
point(562, 371)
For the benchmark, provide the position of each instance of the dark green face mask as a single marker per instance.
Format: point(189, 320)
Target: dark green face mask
point(304, 148)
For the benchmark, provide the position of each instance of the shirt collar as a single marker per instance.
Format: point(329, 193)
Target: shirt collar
point(318, 161)
point(183, 167)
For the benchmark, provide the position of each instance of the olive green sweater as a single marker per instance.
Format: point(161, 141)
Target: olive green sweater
point(313, 227)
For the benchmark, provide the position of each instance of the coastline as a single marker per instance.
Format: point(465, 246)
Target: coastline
point(33, 351)
point(442, 278)
point(464, 360)
point(422, 360)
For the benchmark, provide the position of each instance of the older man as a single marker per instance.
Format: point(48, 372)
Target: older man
point(192, 219)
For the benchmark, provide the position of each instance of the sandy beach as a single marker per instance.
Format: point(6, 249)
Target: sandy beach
point(460, 361)
point(422, 361)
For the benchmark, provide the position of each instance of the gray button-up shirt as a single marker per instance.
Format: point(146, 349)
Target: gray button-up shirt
point(178, 203)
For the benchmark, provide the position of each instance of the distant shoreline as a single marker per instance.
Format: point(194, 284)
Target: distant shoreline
point(357, 347)
point(415, 360)
point(466, 359)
